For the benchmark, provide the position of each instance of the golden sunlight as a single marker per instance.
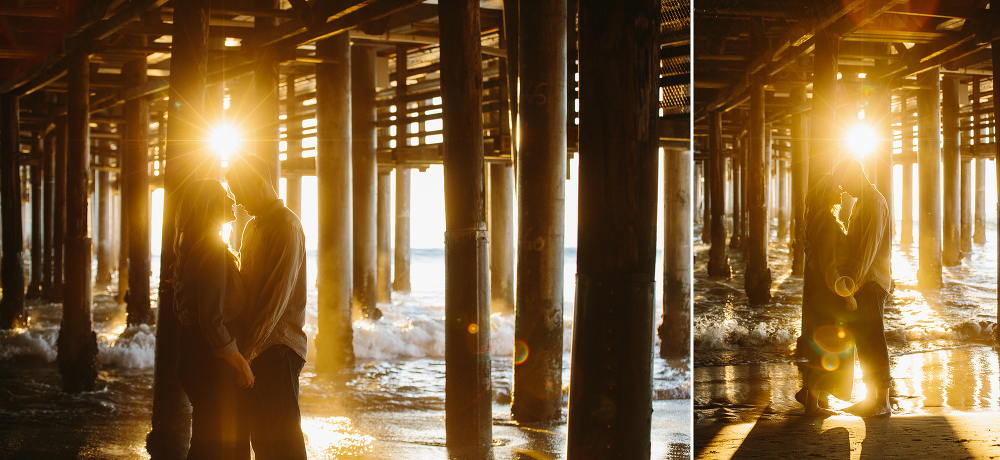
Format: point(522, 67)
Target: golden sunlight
point(224, 140)
point(861, 139)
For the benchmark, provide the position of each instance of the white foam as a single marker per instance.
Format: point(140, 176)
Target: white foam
point(134, 348)
point(28, 342)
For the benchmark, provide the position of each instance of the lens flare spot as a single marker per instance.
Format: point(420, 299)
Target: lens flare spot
point(830, 362)
point(520, 351)
point(473, 328)
point(833, 339)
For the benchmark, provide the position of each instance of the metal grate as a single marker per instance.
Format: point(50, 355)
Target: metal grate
point(675, 15)
point(676, 99)
point(675, 66)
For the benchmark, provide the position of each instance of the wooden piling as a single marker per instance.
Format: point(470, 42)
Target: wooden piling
point(186, 160)
point(782, 201)
point(675, 330)
point(610, 384)
point(293, 146)
point(59, 210)
point(881, 113)
point(929, 156)
point(995, 54)
point(364, 179)
point(401, 259)
point(718, 254)
point(468, 422)
point(706, 203)
point(383, 289)
point(979, 235)
point(696, 192)
point(541, 178)
point(77, 343)
point(135, 197)
point(12, 312)
point(757, 280)
point(906, 221)
point(735, 240)
point(103, 179)
point(825, 135)
point(48, 163)
point(951, 153)
point(966, 212)
point(800, 179)
point(501, 238)
point(334, 347)
point(37, 243)
point(266, 104)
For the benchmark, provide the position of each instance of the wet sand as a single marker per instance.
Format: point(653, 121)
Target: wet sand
point(945, 395)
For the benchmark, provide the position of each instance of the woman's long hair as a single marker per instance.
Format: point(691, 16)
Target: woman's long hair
point(197, 220)
point(822, 202)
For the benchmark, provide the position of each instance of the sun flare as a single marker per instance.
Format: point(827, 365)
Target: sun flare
point(861, 140)
point(224, 140)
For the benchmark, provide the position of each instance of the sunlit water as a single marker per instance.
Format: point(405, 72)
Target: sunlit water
point(940, 341)
point(392, 408)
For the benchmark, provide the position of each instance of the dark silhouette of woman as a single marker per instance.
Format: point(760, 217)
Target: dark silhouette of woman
point(208, 293)
point(826, 303)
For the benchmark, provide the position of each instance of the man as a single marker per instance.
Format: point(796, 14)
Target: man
point(273, 268)
point(869, 243)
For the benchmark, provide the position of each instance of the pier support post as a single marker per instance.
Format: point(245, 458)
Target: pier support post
point(706, 201)
point(186, 160)
point(541, 178)
point(825, 135)
point(610, 394)
point(782, 201)
point(929, 156)
point(952, 155)
point(995, 52)
point(757, 281)
point(334, 346)
point(37, 243)
point(736, 239)
point(468, 405)
point(48, 163)
point(293, 146)
point(12, 312)
point(718, 254)
point(104, 262)
point(675, 331)
point(383, 290)
point(979, 235)
point(401, 259)
point(135, 196)
point(881, 111)
point(364, 180)
point(966, 245)
point(59, 210)
point(77, 343)
point(800, 179)
point(906, 232)
point(266, 105)
point(502, 238)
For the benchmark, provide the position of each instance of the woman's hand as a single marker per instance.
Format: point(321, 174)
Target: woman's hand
point(244, 375)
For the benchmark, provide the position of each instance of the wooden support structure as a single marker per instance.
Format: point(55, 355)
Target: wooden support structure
point(929, 156)
point(334, 346)
point(134, 180)
point(401, 259)
point(37, 243)
point(265, 103)
point(718, 254)
point(675, 330)
point(77, 343)
point(995, 54)
point(186, 160)
point(511, 10)
point(824, 132)
point(468, 406)
point(364, 165)
point(951, 153)
point(610, 385)
point(501, 238)
point(782, 201)
point(541, 178)
point(735, 240)
point(104, 230)
point(757, 280)
point(12, 313)
point(59, 210)
point(800, 180)
point(383, 288)
point(979, 234)
point(881, 115)
point(48, 211)
point(706, 202)
point(966, 212)
point(293, 146)
point(906, 136)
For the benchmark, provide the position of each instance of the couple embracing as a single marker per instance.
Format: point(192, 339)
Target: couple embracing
point(242, 317)
point(846, 281)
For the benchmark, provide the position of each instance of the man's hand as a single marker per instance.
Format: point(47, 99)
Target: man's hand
point(243, 373)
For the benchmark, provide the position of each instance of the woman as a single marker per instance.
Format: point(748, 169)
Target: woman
point(208, 293)
point(826, 302)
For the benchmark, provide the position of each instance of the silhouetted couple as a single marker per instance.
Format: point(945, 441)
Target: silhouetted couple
point(242, 342)
point(846, 281)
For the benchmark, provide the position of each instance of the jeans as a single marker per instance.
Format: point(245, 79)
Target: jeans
point(273, 405)
point(210, 384)
point(869, 335)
